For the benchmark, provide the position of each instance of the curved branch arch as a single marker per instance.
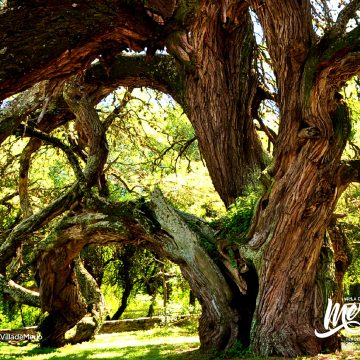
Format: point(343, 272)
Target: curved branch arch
point(157, 227)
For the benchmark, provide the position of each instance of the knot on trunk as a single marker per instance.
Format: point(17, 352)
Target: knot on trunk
point(311, 132)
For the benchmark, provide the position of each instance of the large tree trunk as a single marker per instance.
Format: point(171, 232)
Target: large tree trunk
point(219, 95)
point(290, 229)
point(290, 234)
point(60, 294)
point(70, 295)
point(218, 92)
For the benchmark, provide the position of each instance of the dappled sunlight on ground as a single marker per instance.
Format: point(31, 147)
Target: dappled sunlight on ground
point(156, 344)
point(152, 344)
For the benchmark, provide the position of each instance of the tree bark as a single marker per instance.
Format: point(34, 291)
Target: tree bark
point(92, 322)
point(75, 33)
point(219, 93)
point(19, 293)
point(289, 228)
point(226, 312)
point(60, 294)
point(217, 84)
point(291, 241)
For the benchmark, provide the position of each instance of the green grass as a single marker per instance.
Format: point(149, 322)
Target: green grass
point(159, 343)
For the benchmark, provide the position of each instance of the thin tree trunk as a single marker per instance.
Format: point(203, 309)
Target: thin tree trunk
point(165, 290)
point(341, 257)
point(150, 312)
point(192, 298)
point(124, 299)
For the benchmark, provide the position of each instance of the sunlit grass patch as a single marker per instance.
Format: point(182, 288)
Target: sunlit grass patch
point(156, 344)
point(160, 343)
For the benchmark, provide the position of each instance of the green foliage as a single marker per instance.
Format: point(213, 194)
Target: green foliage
point(9, 168)
point(153, 143)
point(351, 94)
point(117, 267)
point(349, 204)
point(236, 223)
point(13, 315)
point(157, 344)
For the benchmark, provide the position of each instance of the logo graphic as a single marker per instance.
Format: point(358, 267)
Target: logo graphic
point(337, 318)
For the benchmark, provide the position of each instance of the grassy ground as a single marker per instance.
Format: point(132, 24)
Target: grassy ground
point(155, 344)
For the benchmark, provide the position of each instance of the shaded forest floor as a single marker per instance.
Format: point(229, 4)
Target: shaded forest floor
point(155, 344)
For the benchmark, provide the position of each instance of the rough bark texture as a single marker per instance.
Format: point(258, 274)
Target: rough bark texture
point(90, 129)
point(226, 313)
point(219, 93)
point(59, 290)
point(91, 324)
point(19, 108)
point(160, 72)
point(216, 83)
point(295, 212)
point(291, 242)
point(75, 32)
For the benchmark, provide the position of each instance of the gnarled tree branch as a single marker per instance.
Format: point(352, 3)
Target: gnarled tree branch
point(160, 73)
point(158, 227)
point(91, 130)
point(19, 293)
point(345, 15)
point(34, 222)
point(73, 38)
point(15, 112)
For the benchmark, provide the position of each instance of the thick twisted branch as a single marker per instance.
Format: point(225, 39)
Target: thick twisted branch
point(19, 293)
point(92, 131)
